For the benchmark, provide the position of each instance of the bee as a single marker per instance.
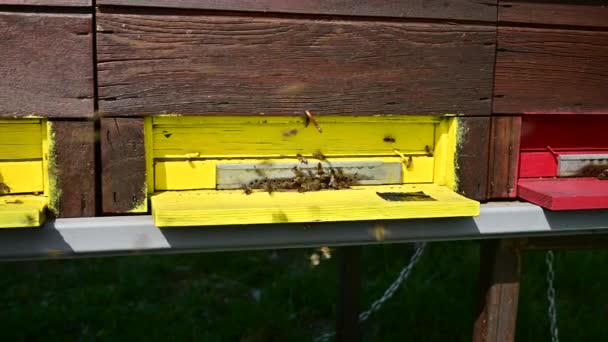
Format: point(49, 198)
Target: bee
point(318, 155)
point(603, 175)
point(290, 132)
point(302, 159)
point(311, 119)
point(389, 139)
point(269, 186)
point(320, 171)
point(428, 151)
point(4, 189)
point(247, 189)
point(410, 162)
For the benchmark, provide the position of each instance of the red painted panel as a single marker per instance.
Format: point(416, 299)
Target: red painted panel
point(565, 193)
point(544, 164)
point(569, 132)
point(537, 164)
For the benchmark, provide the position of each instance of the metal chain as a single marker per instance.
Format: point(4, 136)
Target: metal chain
point(549, 260)
point(377, 305)
point(403, 275)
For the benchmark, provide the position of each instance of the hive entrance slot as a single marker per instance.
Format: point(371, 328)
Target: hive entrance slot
point(323, 175)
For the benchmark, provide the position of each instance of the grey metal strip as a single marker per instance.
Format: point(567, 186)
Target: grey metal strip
point(137, 234)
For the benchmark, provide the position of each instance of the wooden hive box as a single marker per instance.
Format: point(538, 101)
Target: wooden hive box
point(550, 104)
point(46, 109)
point(188, 87)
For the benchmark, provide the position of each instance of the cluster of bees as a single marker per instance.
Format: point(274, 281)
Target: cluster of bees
point(305, 180)
point(598, 171)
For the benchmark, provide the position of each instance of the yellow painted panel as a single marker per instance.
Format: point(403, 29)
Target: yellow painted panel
point(446, 140)
point(201, 174)
point(20, 140)
point(22, 177)
point(19, 121)
point(172, 120)
point(227, 207)
point(21, 211)
point(219, 137)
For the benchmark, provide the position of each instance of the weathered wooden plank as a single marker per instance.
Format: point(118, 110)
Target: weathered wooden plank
point(551, 71)
point(123, 165)
point(472, 157)
point(448, 9)
point(592, 13)
point(500, 272)
point(46, 65)
point(349, 295)
point(188, 63)
point(73, 167)
point(504, 156)
point(67, 3)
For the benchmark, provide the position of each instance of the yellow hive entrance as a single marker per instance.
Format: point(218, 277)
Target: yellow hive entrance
point(254, 170)
point(22, 176)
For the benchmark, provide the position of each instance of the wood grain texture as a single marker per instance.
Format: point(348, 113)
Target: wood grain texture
point(197, 64)
point(46, 65)
point(472, 157)
point(123, 164)
point(503, 156)
point(448, 9)
point(68, 3)
point(74, 168)
point(565, 193)
point(499, 282)
point(593, 13)
point(551, 71)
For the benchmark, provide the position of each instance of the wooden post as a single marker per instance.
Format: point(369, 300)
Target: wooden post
point(500, 271)
point(349, 293)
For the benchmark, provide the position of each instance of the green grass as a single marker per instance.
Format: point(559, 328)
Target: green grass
point(279, 296)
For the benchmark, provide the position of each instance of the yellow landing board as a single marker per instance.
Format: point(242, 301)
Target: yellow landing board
point(228, 207)
point(22, 211)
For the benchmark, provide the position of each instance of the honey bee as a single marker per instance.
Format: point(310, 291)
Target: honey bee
point(302, 159)
point(4, 189)
point(318, 155)
point(290, 132)
point(311, 119)
point(410, 162)
point(247, 189)
point(320, 169)
point(428, 151)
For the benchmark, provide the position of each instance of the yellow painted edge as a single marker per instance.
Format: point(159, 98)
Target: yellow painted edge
point(51, 182)
point(21, 120)
point(446, 140)
point(451, 179)
point(175, 119)
point(149, 148)
point(141, 207)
